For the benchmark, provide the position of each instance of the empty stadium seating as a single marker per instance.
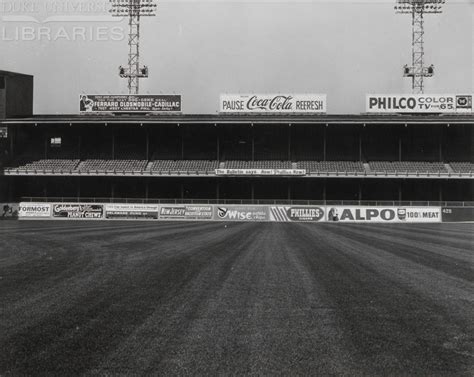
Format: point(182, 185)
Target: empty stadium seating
point(331, 166)
point(113, 165)
point(48, 165)
point(168, 166)
point(208, 166)
point(420, 167)
point(462, 167)
point(261, 164)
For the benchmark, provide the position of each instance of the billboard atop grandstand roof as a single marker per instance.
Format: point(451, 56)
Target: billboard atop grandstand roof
point(419, 103)
point(139, 103)
point(273, 103)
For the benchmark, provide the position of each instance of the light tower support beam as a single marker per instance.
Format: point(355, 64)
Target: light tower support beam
point(418, 53)
point(134, 10)
point(134, 53)
point(418, 8)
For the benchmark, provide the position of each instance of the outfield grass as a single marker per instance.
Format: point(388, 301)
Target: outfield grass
point(147, 298)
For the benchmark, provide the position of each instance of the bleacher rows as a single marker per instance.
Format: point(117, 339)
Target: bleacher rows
point(209, 166)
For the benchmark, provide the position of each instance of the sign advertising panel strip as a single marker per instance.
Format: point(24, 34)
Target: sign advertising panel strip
point(131, 211)
point(291, 172)
point(190, 212)
point(9, 211)
point(34, 210)
point(419, 103)
point(78, 211)
point(138, 103)
point(241, 213)
point(273, 103)
point(285, 214)
point(457, 214)
point(383, 214)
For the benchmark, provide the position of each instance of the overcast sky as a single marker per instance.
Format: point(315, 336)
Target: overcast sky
point(200, 49)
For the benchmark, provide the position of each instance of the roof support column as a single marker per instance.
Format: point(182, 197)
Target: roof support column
point(252, 190)
point(400, 190)
point(113, 145)
point(45, 146)
point(12, 133)
point(253, 143)
point(324, 189)
point(325, 141)
point(147, 146)
point(441, 139)
point(400, 144)
point(78, 192)
point(289, 142)
point(10, 188)
point(182, 142)
point(218, 144)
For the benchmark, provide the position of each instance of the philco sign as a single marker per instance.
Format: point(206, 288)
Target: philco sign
point(419, 103)
point(273, 103)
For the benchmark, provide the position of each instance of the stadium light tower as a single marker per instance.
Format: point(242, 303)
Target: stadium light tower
point(133, 9)
point(417, 9)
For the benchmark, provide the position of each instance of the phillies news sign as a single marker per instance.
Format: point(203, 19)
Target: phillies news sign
point(129, 103)
point(419, 103)
point(273, 103)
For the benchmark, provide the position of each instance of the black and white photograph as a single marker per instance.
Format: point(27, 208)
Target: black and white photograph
point(237, 188)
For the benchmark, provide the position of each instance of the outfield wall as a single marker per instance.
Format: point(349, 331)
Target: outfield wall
point(258, 213)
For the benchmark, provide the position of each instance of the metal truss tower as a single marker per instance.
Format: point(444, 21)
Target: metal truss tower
point(133, 9)
point(418, 8)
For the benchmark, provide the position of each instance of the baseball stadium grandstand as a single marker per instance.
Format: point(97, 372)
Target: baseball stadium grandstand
point(356, 158)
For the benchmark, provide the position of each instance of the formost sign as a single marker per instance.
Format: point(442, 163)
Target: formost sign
point(273, 103)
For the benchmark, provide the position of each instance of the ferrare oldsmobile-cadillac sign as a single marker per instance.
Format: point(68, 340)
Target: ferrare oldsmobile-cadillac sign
point(273, 103)
point(419, 103)
point(129, 103)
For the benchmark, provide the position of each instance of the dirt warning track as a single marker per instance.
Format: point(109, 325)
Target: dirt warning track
point(108, 298)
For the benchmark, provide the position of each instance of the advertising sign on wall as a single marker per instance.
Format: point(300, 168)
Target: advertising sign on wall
point(242, 213)
point(34, 210)
point(284, 214)
point(78, 211)
point(138, 103)
point(384, 214)
point(272, 103)
point(419, 103)
point(131, 211)
point(265, 172)
point(8, 211)
point(457, 214)
point(190, 212)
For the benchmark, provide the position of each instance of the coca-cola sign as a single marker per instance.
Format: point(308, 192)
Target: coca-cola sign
point(273, 103)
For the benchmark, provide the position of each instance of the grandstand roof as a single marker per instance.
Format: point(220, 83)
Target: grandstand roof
point(241, 119)
point(9, 73)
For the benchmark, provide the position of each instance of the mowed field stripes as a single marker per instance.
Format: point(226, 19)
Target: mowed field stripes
point(187, 299)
